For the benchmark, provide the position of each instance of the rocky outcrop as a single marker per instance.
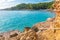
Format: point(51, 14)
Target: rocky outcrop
point(44, 25)
point(57, 11)
point(29, 35)
point(9, 35)
point(16, 35)
point(46, 35)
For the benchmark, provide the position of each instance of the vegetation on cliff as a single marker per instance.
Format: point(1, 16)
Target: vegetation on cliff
point(29, 6)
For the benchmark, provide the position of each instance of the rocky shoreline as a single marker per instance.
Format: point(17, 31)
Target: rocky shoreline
point(35, 33)
point(40, 31)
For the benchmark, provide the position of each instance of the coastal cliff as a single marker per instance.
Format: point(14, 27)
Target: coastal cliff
point(48, 30)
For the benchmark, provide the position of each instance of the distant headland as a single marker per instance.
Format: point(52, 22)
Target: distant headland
point(30, 6)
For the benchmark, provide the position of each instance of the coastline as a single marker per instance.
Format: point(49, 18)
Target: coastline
point(27, 10)
point(36, 30)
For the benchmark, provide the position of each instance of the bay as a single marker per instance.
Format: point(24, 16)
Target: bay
point(18, 20)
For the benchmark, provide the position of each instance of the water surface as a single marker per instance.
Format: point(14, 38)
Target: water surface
point(17, 20)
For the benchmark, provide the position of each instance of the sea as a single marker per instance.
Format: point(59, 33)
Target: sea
point(19, 19)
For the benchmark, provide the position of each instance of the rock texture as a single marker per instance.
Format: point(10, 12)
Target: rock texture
point(44, 25)
point(46, 35)
point(57, 11)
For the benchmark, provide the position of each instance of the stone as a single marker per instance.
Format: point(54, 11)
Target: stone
point(46, 35)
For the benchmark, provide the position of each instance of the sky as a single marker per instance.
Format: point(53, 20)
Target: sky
point(10, 3)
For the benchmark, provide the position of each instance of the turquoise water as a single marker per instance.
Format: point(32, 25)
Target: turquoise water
point(17, 20)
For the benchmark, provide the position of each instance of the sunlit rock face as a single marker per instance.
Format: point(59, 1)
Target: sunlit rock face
point(46, 35)
point(57, 11)
point(54, 32)
point(57, 35)
point(29, 35)
point(42, 26)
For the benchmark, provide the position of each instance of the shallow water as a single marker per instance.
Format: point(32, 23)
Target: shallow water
point(17, 20)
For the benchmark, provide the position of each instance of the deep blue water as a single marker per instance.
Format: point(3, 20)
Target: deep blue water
point(17, 20)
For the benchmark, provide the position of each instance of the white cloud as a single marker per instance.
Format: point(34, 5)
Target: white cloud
point(6, 3)
point(10, 0)
point(1, 1)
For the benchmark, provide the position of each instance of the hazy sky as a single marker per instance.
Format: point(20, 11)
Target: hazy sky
point(9, 3)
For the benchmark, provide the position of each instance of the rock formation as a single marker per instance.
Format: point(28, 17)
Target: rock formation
point(57, 11)
point(52, 31)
